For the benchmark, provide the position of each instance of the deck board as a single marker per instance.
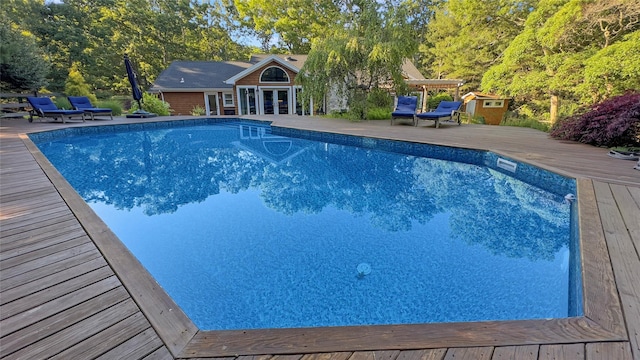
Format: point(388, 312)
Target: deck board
point(608, 351)
point(529, 352)
point(44, 310)
point(49, 246)
point(36, 332)
point(472, 353)
point(103, 341)
point(27, 287)
point(624, 257)
point(76, 333)
point(34, 273)
point(60, 298)
point(565, 352)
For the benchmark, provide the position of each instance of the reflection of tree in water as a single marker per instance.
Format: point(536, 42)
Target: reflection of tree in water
point(393, 190)
point(505, 215)
point(356, 180)
point(147, 173)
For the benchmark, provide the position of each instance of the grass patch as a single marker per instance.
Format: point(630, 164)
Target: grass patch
point(526, 122)
point(372, 114)
point(114, 105)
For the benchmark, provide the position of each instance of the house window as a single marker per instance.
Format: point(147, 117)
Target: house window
point(274, 74)
point(493, 103)
point(228, 99)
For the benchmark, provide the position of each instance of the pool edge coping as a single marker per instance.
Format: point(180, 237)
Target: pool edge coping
point(184, 339)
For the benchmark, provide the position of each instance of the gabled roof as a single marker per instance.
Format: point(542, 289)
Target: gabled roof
point(198, 75)
point(410, 70)
point(296, 60)
point(481, 96)
point(288, 61)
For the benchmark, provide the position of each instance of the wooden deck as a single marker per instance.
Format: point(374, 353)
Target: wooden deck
point(69, 289)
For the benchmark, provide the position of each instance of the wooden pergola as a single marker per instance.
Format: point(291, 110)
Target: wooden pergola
point(435, 84)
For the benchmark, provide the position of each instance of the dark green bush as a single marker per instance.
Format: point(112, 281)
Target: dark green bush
point(433, 101)
point(379, 98)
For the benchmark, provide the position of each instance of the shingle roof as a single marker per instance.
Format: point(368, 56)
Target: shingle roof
point(295, 60)
point(411, 71)
point(198, 75)
point(209, 75)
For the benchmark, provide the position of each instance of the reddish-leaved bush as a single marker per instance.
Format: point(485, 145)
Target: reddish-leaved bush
point(613, 122)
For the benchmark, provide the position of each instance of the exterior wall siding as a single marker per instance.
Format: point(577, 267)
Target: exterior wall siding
point(492, 115)
point(183, 102)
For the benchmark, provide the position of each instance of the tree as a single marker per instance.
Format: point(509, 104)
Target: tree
point(468, 36)
point(295, 22)
point(22, 66)
point(612, 70)
point(96, 34)
point(548, 60)
point(76, 85)
point(364, 50)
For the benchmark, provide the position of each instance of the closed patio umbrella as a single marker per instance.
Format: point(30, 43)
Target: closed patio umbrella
point(135, 90)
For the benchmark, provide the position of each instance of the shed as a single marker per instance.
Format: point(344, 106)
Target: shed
point(491, 107)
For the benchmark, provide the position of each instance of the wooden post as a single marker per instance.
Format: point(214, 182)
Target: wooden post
point(553, 110)
point(424, 98)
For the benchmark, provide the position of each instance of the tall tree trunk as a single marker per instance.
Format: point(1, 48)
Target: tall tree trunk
point(553, 110)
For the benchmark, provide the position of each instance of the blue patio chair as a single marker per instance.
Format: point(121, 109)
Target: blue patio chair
point(43, 107)
point(83, 103)
point(446, 111)
point(405, 109)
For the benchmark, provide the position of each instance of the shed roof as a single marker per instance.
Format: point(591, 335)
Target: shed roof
point(481, 96)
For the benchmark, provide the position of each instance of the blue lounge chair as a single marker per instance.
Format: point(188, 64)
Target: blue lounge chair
point(446, 111)
point(83, 103)
point(44, 107)
point(405, 109)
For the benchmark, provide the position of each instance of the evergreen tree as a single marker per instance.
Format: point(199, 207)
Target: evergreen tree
point(468, 36)
point(22, 66)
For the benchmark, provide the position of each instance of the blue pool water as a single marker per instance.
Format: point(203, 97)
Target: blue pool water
point(245, 228)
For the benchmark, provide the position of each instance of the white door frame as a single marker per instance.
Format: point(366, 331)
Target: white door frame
point(262, 89)
point(206, 103)
point(256, 92)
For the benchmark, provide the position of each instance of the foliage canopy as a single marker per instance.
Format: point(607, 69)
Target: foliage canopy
point(22, 66)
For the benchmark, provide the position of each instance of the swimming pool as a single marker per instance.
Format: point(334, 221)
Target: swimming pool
point(379, 225)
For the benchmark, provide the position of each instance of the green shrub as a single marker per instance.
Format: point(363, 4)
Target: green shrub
point(152, 104)
point(198, 110)
point(477, 119)
point(379, 113)
point(433, 101)
point(61, 102)
point(379, 98)
point(114, 105)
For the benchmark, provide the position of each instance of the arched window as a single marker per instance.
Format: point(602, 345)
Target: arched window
point(274, 74)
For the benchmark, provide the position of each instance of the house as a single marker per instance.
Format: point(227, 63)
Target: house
point(491, 107)
point(263, 85)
